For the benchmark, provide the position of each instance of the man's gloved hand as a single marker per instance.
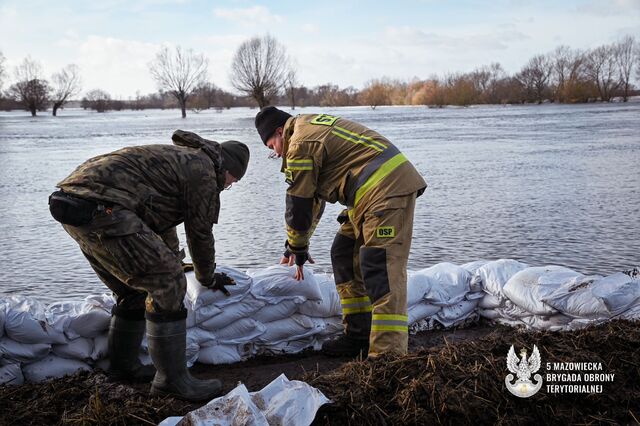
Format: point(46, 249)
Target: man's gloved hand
point(296, 255)
point(187, 267)
point(220, 281)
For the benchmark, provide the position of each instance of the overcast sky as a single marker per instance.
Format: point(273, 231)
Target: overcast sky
point(342, 42)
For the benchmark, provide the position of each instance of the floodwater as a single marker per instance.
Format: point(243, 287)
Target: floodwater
point(547, 184)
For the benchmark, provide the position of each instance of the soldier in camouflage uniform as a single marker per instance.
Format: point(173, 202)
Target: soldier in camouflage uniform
point(122, 208)
point(327, 158)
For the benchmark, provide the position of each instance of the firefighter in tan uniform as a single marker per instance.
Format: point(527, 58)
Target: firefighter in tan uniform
point(328, 158)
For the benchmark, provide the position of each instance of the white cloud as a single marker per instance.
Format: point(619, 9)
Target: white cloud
point(118, 66)
point(610, 8)
point(257, 15)
point(311, 28)
point(410, 36)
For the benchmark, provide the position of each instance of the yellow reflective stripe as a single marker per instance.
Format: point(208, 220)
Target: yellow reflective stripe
point(356, 305)
point(390, 317)
point(355, 138)
point(355, 300)
point(401, 328)
point(357, 310)
point(382, 172)
point(299, 161)
point(300, 168)
point(372, 141)
point(297, 239)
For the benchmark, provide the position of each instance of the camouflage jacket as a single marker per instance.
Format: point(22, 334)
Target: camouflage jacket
point(165, 185)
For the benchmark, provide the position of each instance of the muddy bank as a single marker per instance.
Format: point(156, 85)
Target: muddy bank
point(454, 376)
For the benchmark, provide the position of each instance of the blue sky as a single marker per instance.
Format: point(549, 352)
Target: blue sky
point(346, 43)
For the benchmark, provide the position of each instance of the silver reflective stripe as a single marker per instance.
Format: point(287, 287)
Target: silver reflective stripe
point(370, 169)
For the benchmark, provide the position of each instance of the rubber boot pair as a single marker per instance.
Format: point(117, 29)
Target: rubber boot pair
point(167, 339)
point(355, 342)
point(125, 335)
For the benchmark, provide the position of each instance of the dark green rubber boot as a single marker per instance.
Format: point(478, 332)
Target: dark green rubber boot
point(125, 336)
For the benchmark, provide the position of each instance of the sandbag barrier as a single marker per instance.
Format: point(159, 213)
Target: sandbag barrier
point(268, 312)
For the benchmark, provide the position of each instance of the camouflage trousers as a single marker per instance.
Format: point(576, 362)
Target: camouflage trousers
point(137, 264)
point(369, 257)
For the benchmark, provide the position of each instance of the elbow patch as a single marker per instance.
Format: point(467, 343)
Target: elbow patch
point(299, 212)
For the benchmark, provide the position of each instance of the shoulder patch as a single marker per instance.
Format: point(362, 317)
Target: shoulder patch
point(324, 119)
point(288, 176)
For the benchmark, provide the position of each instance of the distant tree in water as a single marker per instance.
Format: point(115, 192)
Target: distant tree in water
point(626, 52)
point(602, 69)
point(66, 84)
point(291, 83)
point(30, 89)
point(97, 100)
point(259, 69)
point(179, 73)
point(375, 92)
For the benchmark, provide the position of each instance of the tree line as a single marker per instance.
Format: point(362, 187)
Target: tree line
point(263, 73)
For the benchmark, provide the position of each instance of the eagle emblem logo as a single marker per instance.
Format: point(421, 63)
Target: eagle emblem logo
point(523, 368)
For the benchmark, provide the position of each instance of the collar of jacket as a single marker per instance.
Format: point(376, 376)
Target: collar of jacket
point(211, 148)
point(287, 132)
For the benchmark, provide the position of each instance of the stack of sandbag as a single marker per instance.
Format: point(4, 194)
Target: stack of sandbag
point(46, 342)
point(554, 297)
point(441, 297)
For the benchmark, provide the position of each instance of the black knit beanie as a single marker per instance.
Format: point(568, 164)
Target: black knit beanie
point(268, 120)
point(235, 158)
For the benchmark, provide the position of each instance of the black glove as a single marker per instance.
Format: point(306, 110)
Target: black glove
point(187, 267)
point(302, 253)
point(220, 280)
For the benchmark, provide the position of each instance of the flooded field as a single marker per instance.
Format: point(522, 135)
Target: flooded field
point(549, 184)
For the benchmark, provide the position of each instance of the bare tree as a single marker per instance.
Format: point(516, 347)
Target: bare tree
point(179, 73)
point(534, 78)
point(625, 58)
point(66, 84)
point(291, 83)
point(30, 88)
point(602, 69)
point(259, 69)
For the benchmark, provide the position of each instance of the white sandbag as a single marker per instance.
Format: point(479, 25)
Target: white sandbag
point(91, 321)
point(417, 286)
point(421, 311)
point(23, 352)
point(231, 313)
point(52, 367)
point(282, 402)
point(295, 327)
point(619, 292)
point(198, 296)
point(100, 347)
point(278, 283)
point(11, 374)
point(225, 354)
point(333, 327)
point(328, 306)
point(80, 349)
point(242, 331)
point(457, 311)
point(288, 347)
point(556, 322)
point(489, 301)
point(25, 322)
point(450, 283)
point(275, 311)
point(529, 287)
point(462, 322)
point(575, 298)
point(490, 314)
point(494, 275)
point(510, 310)
point(473, 266)
point(201, 314)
